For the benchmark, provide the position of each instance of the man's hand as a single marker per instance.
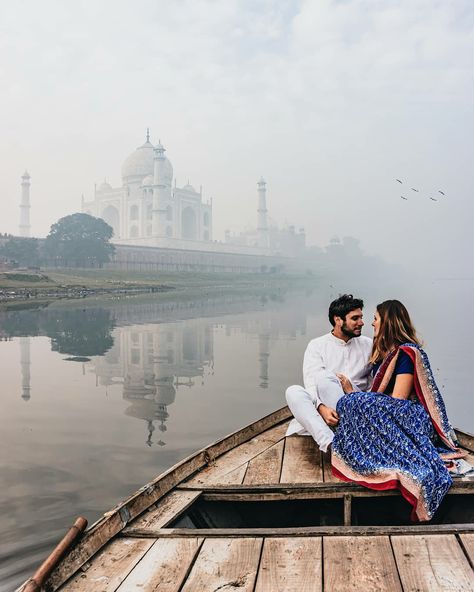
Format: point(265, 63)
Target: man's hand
point(329, 415)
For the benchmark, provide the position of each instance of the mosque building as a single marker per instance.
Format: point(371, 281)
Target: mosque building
point(147, 209)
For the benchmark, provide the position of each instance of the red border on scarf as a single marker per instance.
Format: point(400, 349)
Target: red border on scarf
point(384, 486)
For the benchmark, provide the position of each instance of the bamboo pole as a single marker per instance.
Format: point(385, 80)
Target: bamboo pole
point(35, 583)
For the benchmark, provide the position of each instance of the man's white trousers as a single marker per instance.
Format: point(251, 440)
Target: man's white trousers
point(308, 421)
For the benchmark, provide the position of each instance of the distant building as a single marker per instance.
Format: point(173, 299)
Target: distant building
point(277, 241)
point(147, 209)
point(25, 205)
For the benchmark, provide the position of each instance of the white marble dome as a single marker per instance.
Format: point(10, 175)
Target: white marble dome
point(140, 164)
point(147, 181)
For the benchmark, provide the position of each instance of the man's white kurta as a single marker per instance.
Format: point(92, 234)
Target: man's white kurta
point(330, 354)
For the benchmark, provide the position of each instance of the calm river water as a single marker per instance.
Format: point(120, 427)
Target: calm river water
point(98, 397)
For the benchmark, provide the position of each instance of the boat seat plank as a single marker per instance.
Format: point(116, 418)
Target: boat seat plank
point(164, 567)
point(301, 461)
point(290, 565)
point(266, 467)
point(238, 456)
point(467, 541)
point(111, 566)
point(359, 564)
point(167, 509)
point(432, 563)
point(225, 564)
point(470, 476)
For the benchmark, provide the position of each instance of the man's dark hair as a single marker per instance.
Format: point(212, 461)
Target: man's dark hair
point(343, 305)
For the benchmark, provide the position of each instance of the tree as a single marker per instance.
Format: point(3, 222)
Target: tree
point(79, 240)
point(21, 251)
point(80, 332)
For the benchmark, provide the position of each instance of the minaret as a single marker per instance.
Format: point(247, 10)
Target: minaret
point(263, 356)
point(25, 364)
point(25, 205)
point(262, 224)
point(159, 192)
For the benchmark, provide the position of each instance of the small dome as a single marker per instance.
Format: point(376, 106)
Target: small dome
point(105, 186)
point(147, 181)
point(189, 187)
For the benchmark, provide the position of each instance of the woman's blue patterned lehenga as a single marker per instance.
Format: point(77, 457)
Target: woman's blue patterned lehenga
point(387, 443)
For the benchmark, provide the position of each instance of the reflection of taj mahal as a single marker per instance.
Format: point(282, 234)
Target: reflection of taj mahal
point(152, 362)
point(147, 209)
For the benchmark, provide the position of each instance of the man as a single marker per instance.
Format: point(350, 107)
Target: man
point(338, 358)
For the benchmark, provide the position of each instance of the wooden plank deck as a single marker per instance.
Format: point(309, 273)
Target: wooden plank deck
point(390, 563)
point(253, 465)
point(432, 563)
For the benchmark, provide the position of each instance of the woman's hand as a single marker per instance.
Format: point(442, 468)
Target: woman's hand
point(345, 383)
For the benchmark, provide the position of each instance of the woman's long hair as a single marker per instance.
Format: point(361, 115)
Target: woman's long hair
point(395, 328)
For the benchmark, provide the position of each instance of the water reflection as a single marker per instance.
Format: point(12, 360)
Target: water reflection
point(78, 332)
point(151, 362)
point(25, 363)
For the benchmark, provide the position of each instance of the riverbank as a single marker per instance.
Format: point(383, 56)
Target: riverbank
point(25, 289)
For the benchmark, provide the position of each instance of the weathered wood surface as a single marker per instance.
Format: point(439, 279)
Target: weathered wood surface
point(266, 467)
point(302, 531)
point(467, 541)
point(432, 564)
point(301, 461)
point(115, 520)
point(290, 565)
point(238, 456)
point(235, 477)
point(417, 563)
point(465, 440)
point(164, 568)
point(232, 461)
point(225, 565)
point(307, 490)
point(328, 477)
point(358, 564)
point(111, 566)
point(169, 508)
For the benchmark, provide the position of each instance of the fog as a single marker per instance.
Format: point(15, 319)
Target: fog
point(330, 101)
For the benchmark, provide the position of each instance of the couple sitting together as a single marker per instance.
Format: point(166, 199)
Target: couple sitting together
point(392, 430)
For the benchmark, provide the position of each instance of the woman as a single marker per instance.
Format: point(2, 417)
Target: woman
point(388, 438)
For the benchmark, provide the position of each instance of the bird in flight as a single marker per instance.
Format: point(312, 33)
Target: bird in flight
point(442, 192)
point(433, 199)
point(413, 189)
point(404, 197)
point(399, 181)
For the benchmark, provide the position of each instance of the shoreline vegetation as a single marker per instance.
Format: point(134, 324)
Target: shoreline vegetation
point(30, 289)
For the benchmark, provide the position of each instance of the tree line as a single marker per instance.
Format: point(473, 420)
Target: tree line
point(77, 240)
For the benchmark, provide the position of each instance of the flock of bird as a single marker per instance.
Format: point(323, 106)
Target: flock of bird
point(417, 191)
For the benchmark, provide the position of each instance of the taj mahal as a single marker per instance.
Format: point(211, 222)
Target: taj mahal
point(150, 210)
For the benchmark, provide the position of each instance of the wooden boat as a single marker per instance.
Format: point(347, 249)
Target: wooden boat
point(258, 511)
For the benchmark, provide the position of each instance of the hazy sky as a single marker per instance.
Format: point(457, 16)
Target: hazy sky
point(329, 100)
